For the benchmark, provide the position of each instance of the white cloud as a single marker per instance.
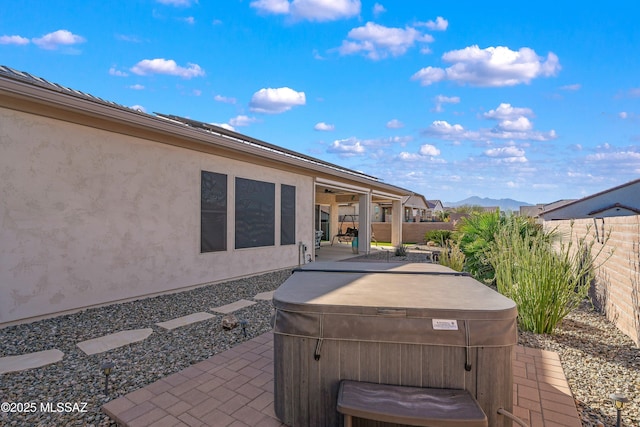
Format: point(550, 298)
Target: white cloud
point(277, 7)
point(136, 87)
point(225, 99)
point(440, 24)
point(311, 10)
point(378, 9)
point(441, 99)
point(491, 67)
point(518, 125)
point(273, 101)
point(138, 108)
point(410, 157)
point(377, 41)
point(166, 66)
point(322, 126)
point(225, 126)
point(442, 127)
point(128, 38)
point(429, 150)
point(571, 88)
point(520, 129)
point(394, 124)
point(347, 147)
point(429, 75)
point(623, 115)
point(115, 72)
point(14, 40)
point(189, 20)
point(58, 38)
point(507, 112)
point(635, 92)
point(179, 3)
point(242, 120)
point(509, 154)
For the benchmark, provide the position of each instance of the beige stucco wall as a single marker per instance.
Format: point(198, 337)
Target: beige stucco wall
point(89, 216)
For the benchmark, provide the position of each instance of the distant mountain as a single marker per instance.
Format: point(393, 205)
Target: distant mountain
point(503, 204)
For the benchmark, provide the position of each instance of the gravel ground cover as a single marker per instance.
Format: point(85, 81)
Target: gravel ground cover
point(597, 358)
point(78, 377)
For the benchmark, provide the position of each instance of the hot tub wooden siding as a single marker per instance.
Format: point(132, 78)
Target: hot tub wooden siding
point(306, 390)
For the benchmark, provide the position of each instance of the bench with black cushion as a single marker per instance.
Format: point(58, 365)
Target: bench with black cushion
point(414, 406)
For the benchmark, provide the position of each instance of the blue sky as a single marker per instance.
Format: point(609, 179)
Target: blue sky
point(536, 101)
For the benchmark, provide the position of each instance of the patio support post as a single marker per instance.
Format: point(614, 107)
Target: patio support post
point(364, 224)
point(396, 222)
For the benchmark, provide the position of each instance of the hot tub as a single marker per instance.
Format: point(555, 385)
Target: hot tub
point(420, 325)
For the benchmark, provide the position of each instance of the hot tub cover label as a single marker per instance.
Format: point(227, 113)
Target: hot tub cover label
point(444, 325)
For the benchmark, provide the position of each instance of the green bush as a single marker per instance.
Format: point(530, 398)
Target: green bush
point(545, 282)
point(440, 237)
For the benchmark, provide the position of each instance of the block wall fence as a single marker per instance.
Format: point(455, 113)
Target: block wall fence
point(412, 232)
point(616, 290)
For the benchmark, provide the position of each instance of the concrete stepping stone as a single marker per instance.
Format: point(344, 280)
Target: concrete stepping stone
point(264, 296)
point(230, 308)
point(109, 342)
point(185, 320)
point(23, 362)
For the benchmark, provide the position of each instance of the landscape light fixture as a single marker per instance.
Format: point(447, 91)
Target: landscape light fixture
point(619, 400)
point(243, 323)
point(107, 367)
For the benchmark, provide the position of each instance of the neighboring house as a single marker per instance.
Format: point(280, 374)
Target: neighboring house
point(101, 203)
point(531, 211)
point(415, 208)
point(435, 209)
point(622, 200)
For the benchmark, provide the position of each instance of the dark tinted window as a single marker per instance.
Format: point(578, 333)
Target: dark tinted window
point(287, 215)
point(255, 213)
point(213, 212)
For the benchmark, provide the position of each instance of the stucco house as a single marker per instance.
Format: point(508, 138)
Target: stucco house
point(101, 203)
point(622, 200)
point(415, 208)
point(435, 210)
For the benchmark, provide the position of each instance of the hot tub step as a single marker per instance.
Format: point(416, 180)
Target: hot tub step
point(413, 406)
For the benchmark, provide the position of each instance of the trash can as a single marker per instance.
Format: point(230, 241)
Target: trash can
point(421, 325)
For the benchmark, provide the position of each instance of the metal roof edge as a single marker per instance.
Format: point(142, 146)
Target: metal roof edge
point(591, 196)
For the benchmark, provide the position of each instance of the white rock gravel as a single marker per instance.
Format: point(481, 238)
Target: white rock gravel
point(597, 358)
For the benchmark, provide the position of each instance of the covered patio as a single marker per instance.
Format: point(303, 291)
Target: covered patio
point(340, 208)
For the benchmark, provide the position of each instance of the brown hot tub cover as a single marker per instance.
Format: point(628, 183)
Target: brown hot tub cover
point(391, 303)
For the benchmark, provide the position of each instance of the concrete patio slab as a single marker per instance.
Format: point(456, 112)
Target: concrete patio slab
point(23, 362)
point(234, 306)
point(264, 296)
point(185, 320)
point(109, 342)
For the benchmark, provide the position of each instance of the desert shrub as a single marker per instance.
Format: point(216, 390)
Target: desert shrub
point(438, 236)
point(401, 250)
point(546, 283)
point(452, 257)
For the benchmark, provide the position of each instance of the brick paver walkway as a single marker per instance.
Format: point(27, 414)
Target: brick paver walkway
point(235, 389)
